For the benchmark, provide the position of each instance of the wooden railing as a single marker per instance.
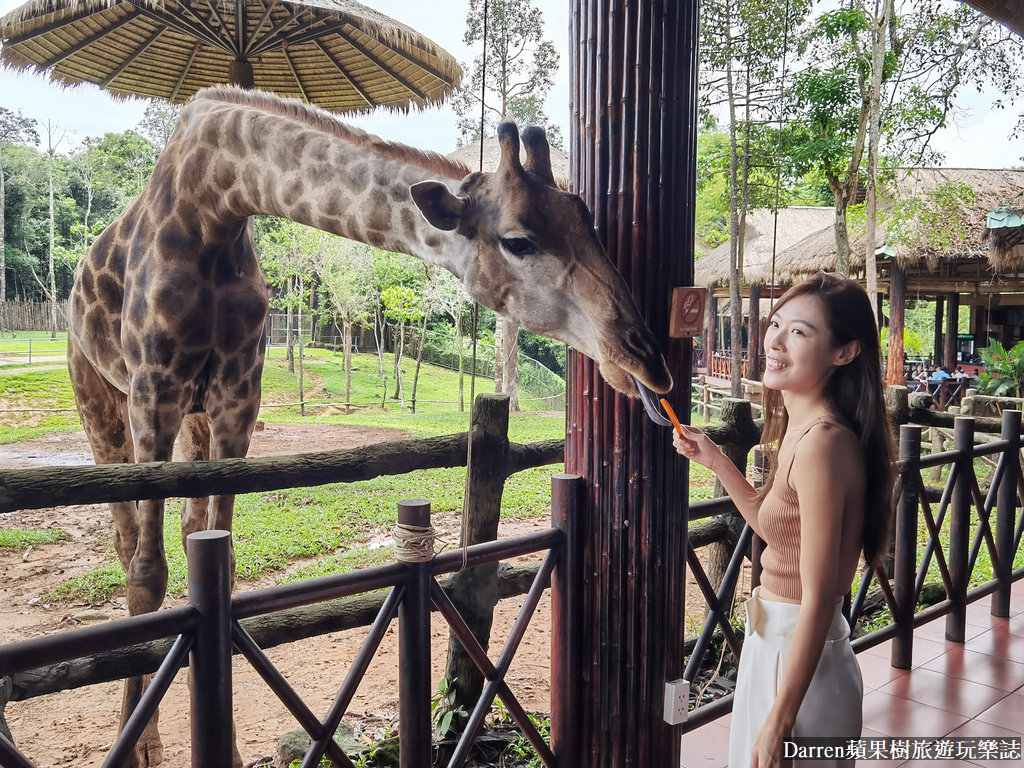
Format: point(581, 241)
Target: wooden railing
point(205, 632)
point(960, 497)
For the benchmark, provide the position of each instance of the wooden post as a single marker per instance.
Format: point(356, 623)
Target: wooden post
point(633, 136)
point(567, 695)
point(1006, 514)
point(937, 351)
point(711, 335)
point(209, 590)
point(952, 325)
point(905, 567)
point(754, 334)
point(897, 313)
point(475, 591)
point(414, 734)
point(960, 528)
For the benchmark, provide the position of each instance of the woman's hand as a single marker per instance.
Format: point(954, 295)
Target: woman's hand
point(696, 446)
point(768, 747)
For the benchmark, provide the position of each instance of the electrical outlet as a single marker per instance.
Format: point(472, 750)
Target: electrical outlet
point(677, 701)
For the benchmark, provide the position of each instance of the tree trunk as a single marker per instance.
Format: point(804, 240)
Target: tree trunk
point(346, 342)
point(841, 192)
point(499, 351)
point(897, 313)
point(459, 341)
point(952, 327)
point(510, 365)
point(3, 254)
point(754, 338)
point(419, 360)
point(289, 328)
point(735, 235)
point(878, 50)
point(51, 277)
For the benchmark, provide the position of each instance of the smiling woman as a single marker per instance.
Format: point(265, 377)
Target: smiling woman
point(824, 504)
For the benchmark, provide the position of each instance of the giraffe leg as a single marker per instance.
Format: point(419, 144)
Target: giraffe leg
point(103, 410)
point(194, 445)
point(230, 433)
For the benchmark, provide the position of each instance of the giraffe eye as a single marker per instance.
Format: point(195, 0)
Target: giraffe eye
point(520, 247)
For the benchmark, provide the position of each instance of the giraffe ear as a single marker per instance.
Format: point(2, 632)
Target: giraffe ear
point(436, 202)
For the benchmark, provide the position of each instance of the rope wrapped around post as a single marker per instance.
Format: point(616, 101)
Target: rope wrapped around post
point(414, 545)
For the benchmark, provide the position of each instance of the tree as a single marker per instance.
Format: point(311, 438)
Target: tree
point(911, 62)
point(345, 271)
point(158, 122)
point(15, 128)
point(514, 75)
point(449, 295)
point(402, 305)
point(743, 43)
point(55, 136)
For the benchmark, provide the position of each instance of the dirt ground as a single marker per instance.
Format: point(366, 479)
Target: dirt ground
point(77, 727)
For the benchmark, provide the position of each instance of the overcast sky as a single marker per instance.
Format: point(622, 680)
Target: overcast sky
point(981, 140)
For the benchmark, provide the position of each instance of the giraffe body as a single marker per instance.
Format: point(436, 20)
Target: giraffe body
point(168, 307)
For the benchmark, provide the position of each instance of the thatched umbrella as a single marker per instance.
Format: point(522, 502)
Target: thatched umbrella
point(469, 156)
point(337, 54)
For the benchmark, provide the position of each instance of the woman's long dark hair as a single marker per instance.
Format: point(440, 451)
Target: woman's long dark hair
point(853, 394)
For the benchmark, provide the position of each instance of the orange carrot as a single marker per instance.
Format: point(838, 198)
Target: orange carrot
point(672, 416)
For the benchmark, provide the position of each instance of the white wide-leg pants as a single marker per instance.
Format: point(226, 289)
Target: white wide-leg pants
point(832, 706)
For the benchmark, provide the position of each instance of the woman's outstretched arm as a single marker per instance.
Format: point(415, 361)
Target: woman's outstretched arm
point(698, 447)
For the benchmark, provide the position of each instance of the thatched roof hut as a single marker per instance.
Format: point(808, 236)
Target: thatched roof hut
point(765, 234)
point(952, 202)
point(469, 156)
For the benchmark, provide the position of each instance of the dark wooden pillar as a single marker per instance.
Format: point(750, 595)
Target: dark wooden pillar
point(633, 138)
point(952, 323)
point(937, 351)
point(897, 315)
point(754, 334)
point(710, 331)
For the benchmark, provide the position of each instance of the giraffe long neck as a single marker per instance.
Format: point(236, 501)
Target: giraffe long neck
point(249, 161)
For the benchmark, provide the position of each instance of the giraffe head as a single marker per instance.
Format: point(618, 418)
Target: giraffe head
point(535, 258)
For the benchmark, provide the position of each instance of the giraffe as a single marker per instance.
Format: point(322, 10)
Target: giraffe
point(168, 307)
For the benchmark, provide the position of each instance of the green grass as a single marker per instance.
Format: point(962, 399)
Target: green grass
point(20, 539)
point(302, 532)
point(49, 391)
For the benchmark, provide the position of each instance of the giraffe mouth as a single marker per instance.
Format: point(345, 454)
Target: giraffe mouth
point(650, 403)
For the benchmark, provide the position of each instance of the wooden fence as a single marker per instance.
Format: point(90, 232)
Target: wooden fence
point(33, 315)
point(961, 496)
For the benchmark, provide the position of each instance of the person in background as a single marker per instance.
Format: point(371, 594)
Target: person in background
point(941, 374)
point(826, 501)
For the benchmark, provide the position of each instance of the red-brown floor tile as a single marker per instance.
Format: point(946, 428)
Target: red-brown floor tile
point(877, 671)
point(936, 630)
point(976, 729)
point(978, 667)
point(925, 649)
point(706, 747)
point(998, 642)
point(949, 693)
point(979, 613)
point(1015, 625)
point(897, 716)
point(1007, 713)
point(867, 733)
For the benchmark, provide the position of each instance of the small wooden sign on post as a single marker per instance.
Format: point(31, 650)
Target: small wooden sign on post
point(687, 312)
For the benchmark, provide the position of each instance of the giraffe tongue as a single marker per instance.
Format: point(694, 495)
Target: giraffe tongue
point(651, 405)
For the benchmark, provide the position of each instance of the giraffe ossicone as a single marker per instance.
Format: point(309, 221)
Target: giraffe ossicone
point(168, 307)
